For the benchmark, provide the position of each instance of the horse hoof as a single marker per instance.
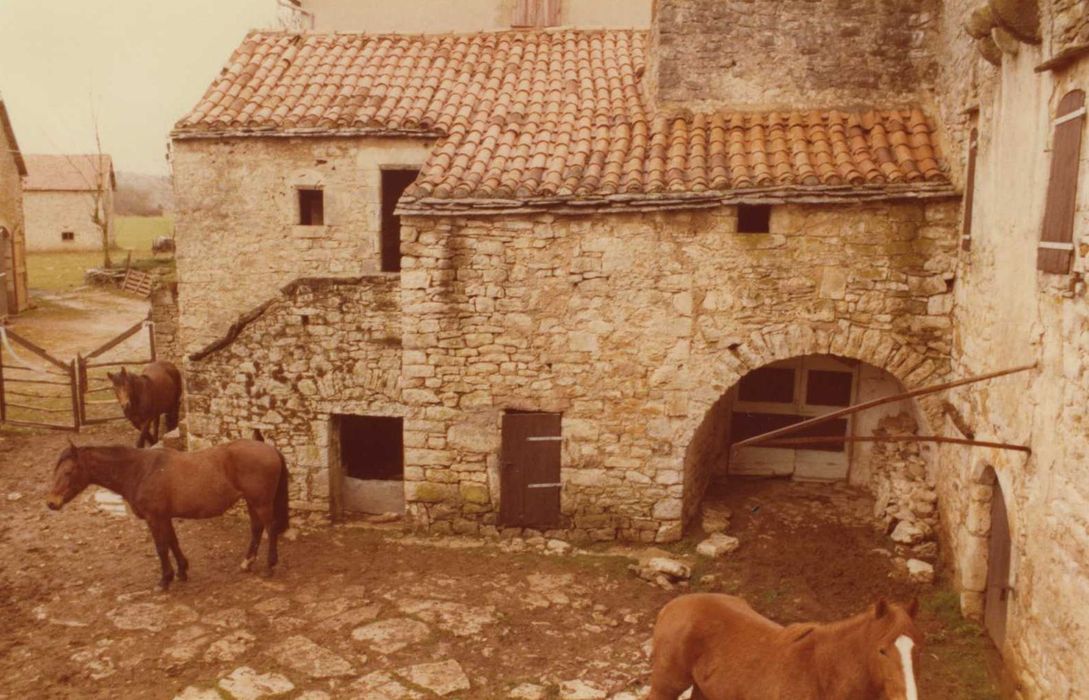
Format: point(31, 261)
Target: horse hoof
point(246, 565)
point(183, 576)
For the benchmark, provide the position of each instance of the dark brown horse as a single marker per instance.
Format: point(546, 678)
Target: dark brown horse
point(146, 396)
point(161, 484)
point(722, 649)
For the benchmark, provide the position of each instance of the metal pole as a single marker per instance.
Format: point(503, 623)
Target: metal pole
point(923, 391)
point(832, 439)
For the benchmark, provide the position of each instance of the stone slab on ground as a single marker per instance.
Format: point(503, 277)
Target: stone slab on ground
point(381, 686)
point(389, 636)
point(244, 683)
point(303, 655)
point(441, 677)
point(581, 690)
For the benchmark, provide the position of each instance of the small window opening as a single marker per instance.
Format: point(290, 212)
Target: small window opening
point(311, 207)
point(68, 235)
point(372, 447)
point(754, 218)
point(394, 184)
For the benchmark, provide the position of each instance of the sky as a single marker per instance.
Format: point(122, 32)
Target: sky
point(140, 64)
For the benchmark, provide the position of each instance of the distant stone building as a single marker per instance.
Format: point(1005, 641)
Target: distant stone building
point(61, 193)
point(14, 296)
point(544, 279)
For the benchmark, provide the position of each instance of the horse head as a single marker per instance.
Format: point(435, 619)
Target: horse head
point(70, 477)
point(893, 658)
point(122, 388)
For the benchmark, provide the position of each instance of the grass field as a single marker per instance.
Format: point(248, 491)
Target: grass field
point(58, 271)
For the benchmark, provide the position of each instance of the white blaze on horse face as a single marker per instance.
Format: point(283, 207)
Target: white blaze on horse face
point(904, 644)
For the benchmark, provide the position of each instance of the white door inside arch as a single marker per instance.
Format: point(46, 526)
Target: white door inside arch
point(785, 393)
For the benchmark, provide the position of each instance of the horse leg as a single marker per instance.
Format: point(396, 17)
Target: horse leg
point(160, 532)
point(256, 528)
point(175, 547)
point(267, 517)
point(144, 436)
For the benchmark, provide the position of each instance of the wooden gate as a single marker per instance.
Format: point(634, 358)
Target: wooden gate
point(42, 395)
point(998, 570)
point(97, 403)
point(530, 476)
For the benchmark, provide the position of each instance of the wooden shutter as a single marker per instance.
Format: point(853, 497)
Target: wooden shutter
point(969, 190)
point(530, 478)
point(1057, 238)
point(536, 13)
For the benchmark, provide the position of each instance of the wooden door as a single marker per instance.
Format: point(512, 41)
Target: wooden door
point(788, 392)
point(530, 470)
point(998, 570)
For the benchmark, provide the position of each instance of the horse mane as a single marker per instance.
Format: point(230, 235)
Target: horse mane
point(108, 454)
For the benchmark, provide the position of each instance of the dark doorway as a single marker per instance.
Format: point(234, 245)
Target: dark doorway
point(394, 184)
point(998, 570)
point(530, 470)
point(367, 464)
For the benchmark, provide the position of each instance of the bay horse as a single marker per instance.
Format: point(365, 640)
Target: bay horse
point(724, 650)
point(146, 396)
point(162, 484)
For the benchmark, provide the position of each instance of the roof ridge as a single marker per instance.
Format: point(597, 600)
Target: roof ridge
point(470, 33)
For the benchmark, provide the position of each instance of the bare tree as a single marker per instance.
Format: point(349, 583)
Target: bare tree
point(101, 216)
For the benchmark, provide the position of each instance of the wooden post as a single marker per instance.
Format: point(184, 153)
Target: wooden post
point(151, 335)
point(795, 427)
point(81, 385)
point(73, 374)
point(3, 401)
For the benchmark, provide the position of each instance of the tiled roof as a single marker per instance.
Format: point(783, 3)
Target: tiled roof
point(66, 172)
point(555, 116)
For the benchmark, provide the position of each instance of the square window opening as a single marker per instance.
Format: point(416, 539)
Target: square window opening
point(311, 207)
point(372, 447)
point(394, 184)
point(754, 218)
point(68, 235)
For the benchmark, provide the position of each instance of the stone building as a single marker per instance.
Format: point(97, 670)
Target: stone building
point(545, 278)
point(60, 195)
point(14, 296)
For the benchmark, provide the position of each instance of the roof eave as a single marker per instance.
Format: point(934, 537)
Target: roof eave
point(672, 201)
point(185, 134)
point(9, 131)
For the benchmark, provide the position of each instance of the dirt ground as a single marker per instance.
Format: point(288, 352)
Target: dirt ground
point(359, 612)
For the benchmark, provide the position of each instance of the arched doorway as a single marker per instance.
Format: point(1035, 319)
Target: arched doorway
point(996, 600)
point(789, 391)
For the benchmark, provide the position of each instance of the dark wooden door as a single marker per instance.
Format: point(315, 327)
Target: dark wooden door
point(530, 476)
point(998, 570)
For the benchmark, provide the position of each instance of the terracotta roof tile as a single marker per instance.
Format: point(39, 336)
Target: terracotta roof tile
point(67, 172)
point(549, 116)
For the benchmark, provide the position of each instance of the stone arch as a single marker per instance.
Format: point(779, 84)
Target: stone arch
point(722, 370)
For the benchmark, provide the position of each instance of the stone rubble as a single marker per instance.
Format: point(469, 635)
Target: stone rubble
point(441, 677)
point(718, 545)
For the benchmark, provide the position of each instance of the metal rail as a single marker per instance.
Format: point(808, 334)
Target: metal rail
point(850, 410)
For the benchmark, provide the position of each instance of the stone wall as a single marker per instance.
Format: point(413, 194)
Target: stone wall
point(164, 314)
point(12, 218)
point(1008, 314)
point(761, 54)
point(1070, 24)
point(50, 213)
point(633, 326)
point(236, 229)
point(319, 347)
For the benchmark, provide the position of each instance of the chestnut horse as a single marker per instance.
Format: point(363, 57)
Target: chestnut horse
point(146, 396)
point(162, 484)
point(721, 648)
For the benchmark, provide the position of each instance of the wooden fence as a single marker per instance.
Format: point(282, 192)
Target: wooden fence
point(47, 392)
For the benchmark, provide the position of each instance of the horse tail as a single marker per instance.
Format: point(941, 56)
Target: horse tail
point(175, 406)
point(280, 513)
